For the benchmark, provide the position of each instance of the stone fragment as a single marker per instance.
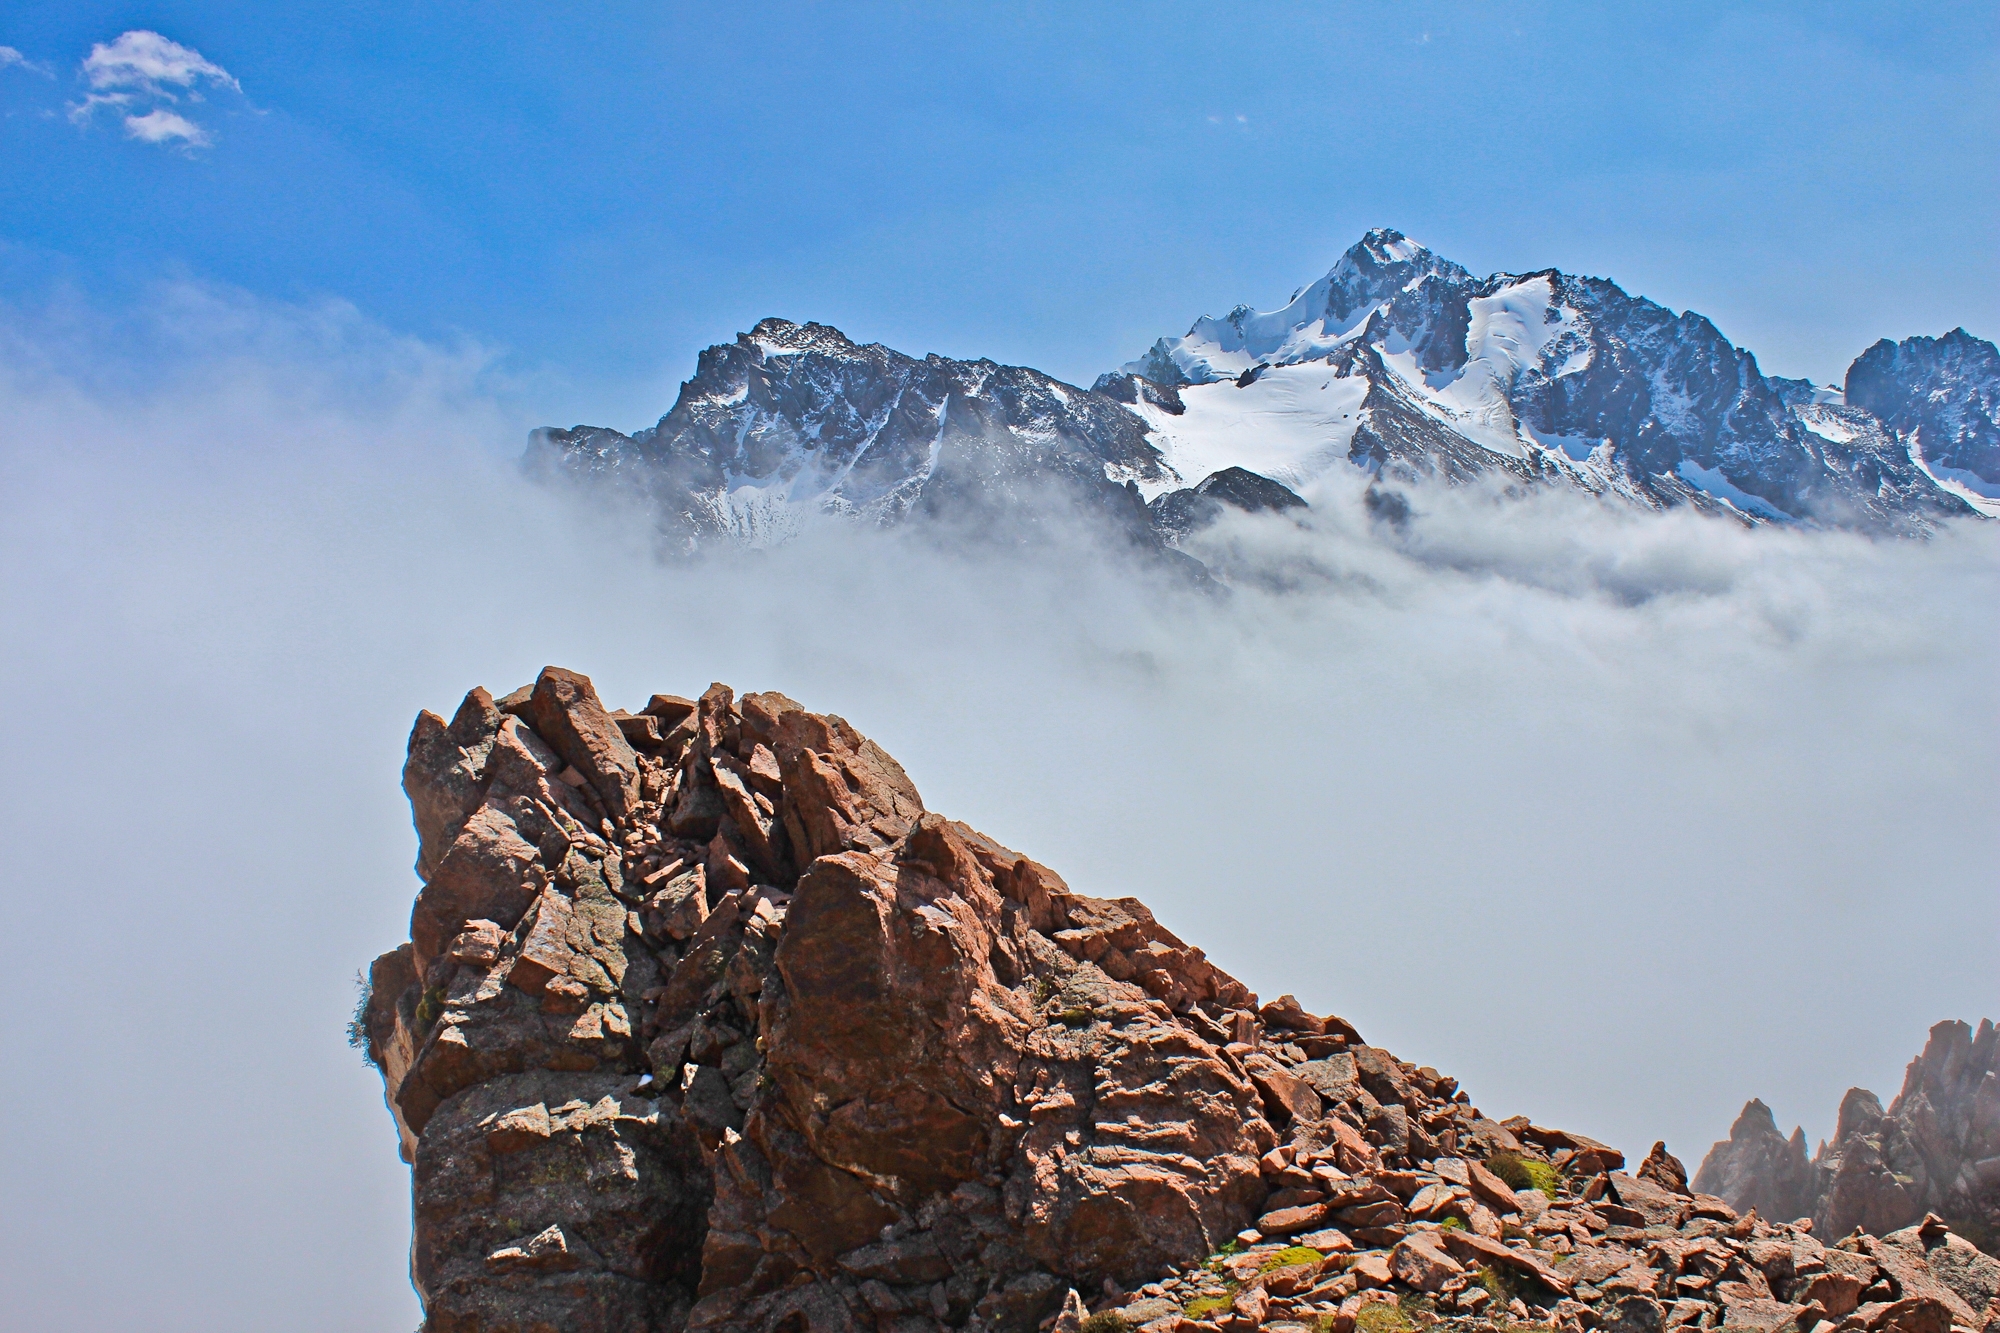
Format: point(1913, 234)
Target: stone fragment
point(547, 1250)
point(1420, 1261)
point(478, 944)
point(1631, 1314)
point(1489, 1189)
point(1289, 1221)
point(1911, 1314)
point(1373, 1270)
point(1663, 1169)
point(1286, 1097)
point(1286, 1014)
point(565, 712)
point(520, 1128)
point(1653, 1205)
point(1468, 1247)
point(1835, 1293)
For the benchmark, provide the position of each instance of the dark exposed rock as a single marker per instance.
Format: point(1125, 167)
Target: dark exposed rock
point(1942, 392)
point(1178, 513)
point(799, 410)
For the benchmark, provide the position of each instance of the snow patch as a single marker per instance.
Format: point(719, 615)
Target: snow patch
point(1829, 428)
point(1710, 481)
point(1291, 424)
point(1578, 448)
point(1970, 487)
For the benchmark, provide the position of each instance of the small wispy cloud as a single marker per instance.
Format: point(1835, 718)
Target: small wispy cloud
point(9, 58)
point(164, 126)
point(137, 71)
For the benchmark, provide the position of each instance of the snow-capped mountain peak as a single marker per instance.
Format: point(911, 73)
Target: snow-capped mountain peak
point(1547, 376)
point(1396, 360)
point(1381, 266)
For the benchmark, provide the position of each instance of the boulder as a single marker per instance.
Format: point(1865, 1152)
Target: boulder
point(1663, 1169)
point(1419, 1261)
point(564, 710)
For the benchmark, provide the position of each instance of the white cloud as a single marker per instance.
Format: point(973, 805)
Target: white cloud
point(142, 68)
point(147, 62)
point(163, 126)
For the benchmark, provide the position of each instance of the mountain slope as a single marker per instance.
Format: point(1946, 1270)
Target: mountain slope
point(1397, 361)
point(1425, 370)
point(796, 418)
point(1943, 395)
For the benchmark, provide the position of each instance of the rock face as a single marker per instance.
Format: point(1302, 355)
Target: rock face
point(1943, 393)
point(1178, 513)
point(705, 1022)
point(1758, 1167)
point(796, 419)
point(1935, 1150)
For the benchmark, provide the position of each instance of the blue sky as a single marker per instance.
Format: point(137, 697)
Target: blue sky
point(597, 200)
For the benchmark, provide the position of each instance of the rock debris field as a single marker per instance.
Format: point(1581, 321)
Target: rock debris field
point(705, 1022)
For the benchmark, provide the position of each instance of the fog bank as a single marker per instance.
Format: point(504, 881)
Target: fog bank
point(1621, 819)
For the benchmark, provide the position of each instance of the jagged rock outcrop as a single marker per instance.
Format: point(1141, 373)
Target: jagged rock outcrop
point(1935, 1150)
point(1758, 1167)
point(706, 1022)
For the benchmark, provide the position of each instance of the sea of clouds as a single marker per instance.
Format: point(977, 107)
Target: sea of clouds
point(1621, 818)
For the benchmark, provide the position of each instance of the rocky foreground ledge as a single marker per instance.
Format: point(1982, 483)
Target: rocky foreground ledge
point(706, 1023)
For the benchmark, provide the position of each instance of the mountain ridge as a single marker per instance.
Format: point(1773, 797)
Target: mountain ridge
point(1396, 361)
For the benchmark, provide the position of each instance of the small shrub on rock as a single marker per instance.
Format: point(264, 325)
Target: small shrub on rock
point(1382, 1317)
point(1525, 1173)
point(1293, 1254)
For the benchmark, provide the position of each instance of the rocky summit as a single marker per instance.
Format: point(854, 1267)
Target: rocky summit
point(1935, 1150)
point(1397, 367)
point(705, 1022)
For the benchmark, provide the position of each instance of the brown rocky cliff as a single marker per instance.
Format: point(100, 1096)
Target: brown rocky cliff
point(704, 1019)
point(1935, 1150)
point(706, 1023)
